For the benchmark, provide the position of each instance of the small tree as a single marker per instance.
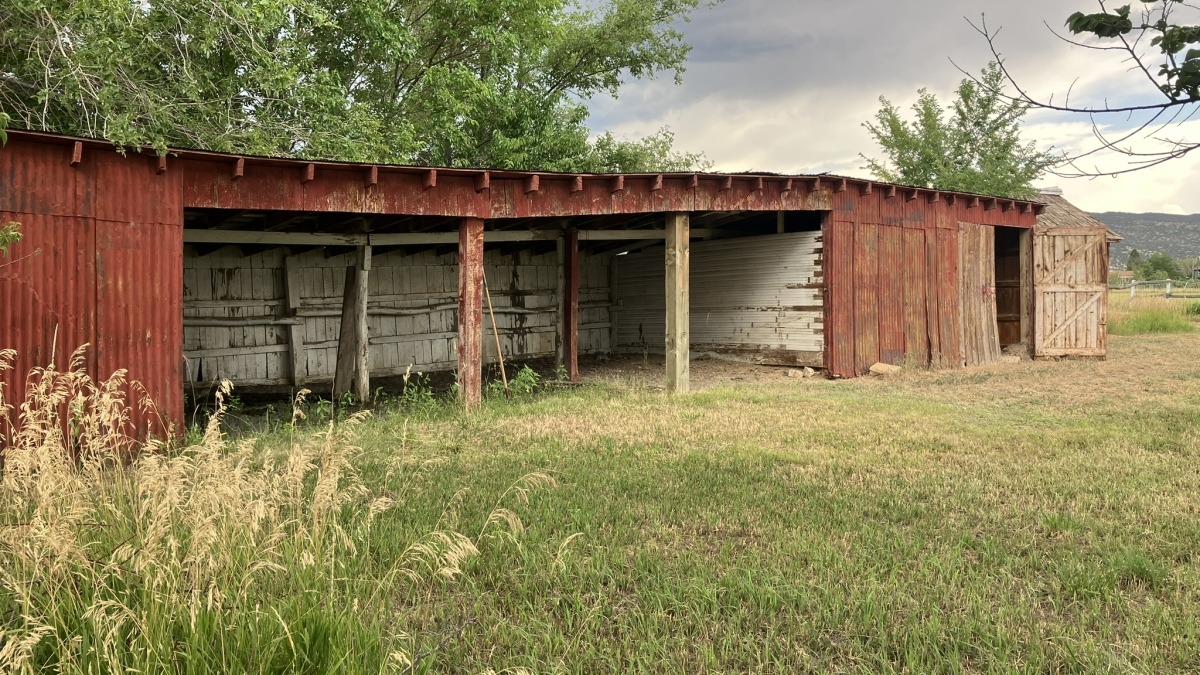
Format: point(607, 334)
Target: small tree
point(1135, 260)
point(972, 145)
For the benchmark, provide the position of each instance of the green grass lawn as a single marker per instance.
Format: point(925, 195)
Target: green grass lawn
point(1043, 517)
point(1030, 518)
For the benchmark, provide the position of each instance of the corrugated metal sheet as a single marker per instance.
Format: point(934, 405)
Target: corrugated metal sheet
point(104, 241)
point(762, 294)
point(893, 275)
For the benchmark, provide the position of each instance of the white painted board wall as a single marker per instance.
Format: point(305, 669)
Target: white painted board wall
point(761, 293)
point(411, 316)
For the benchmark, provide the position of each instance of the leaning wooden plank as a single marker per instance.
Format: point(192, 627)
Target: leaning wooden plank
point(344, 370)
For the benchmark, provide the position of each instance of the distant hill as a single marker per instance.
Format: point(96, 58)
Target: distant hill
point(1177, 236)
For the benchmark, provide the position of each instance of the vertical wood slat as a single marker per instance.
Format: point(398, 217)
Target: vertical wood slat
point(933, 305)
point(470, 312)
point(916, 332)
point(344, 370)
point(838, 271)
point(948, 283)
point(678, 303)
point(293, 275)
point(892, 294)
point(866, 297)
point(560, 294)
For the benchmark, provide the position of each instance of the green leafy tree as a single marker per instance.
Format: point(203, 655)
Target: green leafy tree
point(501, 83)
point(1135, 260)
point(1159, 41)
point(1160, 266)
point(972, 145)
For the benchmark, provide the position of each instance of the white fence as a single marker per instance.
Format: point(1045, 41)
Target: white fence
point(1163, 289)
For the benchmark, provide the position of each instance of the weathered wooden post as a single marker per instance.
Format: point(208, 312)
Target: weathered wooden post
point(1168, 288)
point(678, 300)
point(1132, 289)
point(353, 373)
point(470, 312)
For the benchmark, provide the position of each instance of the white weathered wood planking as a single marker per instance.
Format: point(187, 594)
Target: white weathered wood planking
point(411, 314)
point(762, 293)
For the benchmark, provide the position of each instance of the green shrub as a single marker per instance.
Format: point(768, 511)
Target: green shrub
point(1192, 309)
point(1149, 321)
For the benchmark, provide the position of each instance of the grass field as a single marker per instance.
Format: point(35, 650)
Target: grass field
point(1031, 518)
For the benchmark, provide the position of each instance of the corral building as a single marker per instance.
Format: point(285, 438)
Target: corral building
point(195, 266)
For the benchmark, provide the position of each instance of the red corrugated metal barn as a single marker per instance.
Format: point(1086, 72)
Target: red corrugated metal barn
point(195, 267)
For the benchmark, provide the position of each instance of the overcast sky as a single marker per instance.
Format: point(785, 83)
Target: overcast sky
point(785, 85)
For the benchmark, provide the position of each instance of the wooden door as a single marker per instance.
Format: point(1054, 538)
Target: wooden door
point(1071, 288)
point(977, 294)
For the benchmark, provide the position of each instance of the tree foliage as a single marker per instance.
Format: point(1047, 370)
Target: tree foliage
point(500, 83)
point(972, 145)
point(1160, 42)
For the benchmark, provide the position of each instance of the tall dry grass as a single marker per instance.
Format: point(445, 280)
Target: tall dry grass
point(210, 558)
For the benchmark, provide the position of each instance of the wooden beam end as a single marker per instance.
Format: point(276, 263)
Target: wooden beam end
point(239, 168)
point(310, 173)
point(77, 153)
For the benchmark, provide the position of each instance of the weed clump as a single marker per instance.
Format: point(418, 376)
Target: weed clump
point(209, 558)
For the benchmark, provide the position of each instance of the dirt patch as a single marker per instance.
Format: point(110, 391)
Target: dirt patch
point(650, 371)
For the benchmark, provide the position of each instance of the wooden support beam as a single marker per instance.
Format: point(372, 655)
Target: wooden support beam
point(294, 281)
point(758, 184)
point(577, 184)
point(618, 183)
point(310, 173)
point(215, 236)
point(239, 168)
point(935, 197)
point(694, 181)
point(77, 153)
point(814, 185)
point(678, 303)
point(787, 186)
point(353, 353)
point(362, 354)
point(533, 183)
point(912, 195)
point(840, 186)
point(372, 176)
point(657, 184)
point(990, 204)
point(430, 179)
point(470, 312)
point(570, 305)
point(483, 181)
point(891, 192)
point(162, 165)
point(867, 188)
point(780, 222)
point(728, 185)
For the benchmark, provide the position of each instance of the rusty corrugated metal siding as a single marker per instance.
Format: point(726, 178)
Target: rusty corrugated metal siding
point(108, 233)
point(891, 270)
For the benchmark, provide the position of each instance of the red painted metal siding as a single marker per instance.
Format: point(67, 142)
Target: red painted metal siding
point(891, 271)
point(107, 273)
